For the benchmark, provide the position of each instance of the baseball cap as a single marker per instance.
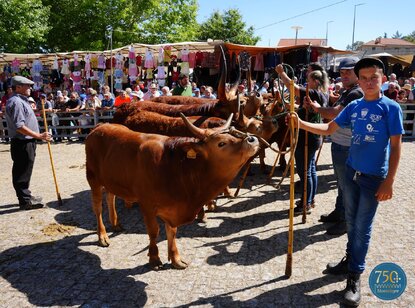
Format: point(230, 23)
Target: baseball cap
point(368, 62)
point(347, 63)
point(196, 90)
point(153, 86)
point(182, 75)
point(31, 99)
point(20, 80)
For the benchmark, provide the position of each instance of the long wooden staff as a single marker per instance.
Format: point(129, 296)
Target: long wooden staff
point(289, 264)
point(45, 122)
point(304, 218)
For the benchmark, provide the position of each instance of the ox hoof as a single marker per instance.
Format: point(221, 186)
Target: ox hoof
point(104, 242)
point(117, 228)
point(180, 264)
point(156, 265)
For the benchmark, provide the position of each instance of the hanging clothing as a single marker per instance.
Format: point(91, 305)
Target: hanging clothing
point(55, 65)
point(101, 62)
point(65, 67)
point(149, 61)
point(15, 66)
point(192, 59)
point(167, 53)
point(259, 62)
point(160, 59)
point(244, 60)
point(185, 54)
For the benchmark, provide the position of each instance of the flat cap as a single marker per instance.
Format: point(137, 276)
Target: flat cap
point(368, 62)
point(20, 80)
point(347, 63)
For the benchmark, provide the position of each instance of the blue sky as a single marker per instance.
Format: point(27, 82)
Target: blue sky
point(373, 18)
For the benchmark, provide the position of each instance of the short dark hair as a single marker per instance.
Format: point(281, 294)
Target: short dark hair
point(368, 62)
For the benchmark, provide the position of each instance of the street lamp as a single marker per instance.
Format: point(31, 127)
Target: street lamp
point(354, 21)
point(296, 28)
point(109, 35)
point(327, 32)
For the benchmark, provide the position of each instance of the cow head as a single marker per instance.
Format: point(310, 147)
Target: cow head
point(220, 148)
point(262, 128)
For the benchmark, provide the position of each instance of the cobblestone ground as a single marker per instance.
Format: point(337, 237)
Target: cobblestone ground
point(50, 257)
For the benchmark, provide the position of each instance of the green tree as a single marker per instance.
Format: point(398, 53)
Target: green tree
point(228, 27)
point(23, 25)
point(83, 24)
point(410, 37)
point(356, 45)
point(397, 35)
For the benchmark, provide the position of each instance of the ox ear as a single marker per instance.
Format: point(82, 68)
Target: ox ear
point(194, 151)
point(196, 131)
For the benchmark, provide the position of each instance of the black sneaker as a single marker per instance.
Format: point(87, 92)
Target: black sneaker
point(340, 268)
point(352, 295)
point(29, 205)
point(339, 228)
point(332, 217)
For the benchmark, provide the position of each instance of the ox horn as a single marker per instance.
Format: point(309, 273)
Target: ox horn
point(196, 131)
point(224, 73)
point(228, 122)
point(234, 88)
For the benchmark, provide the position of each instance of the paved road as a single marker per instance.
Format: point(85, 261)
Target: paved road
point(50, 257)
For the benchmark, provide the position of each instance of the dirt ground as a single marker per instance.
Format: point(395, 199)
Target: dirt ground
point(49, 257)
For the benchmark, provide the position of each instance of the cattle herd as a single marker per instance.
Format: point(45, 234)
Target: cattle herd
point(176, 154)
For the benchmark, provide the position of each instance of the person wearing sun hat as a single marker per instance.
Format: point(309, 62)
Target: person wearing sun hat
point(23, 131)
point(377, 129)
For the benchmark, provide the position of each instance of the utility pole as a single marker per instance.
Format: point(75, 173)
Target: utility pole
point(354, 21)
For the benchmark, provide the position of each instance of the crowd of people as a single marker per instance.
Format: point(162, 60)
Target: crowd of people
point(63, 104)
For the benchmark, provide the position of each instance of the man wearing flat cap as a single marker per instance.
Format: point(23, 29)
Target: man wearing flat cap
point(184, 87)
point(377, 128)
point(341, 139)
point(23, 131)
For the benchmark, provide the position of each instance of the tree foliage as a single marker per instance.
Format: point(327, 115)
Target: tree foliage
point(23, 25)
point(356, 45)
point(68, 25)
point(410, 37)
point(83, 24)
point(228, 27)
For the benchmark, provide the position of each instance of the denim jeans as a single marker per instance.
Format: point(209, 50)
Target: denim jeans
point(361, 205)
point(311, 170)
point(339, 154)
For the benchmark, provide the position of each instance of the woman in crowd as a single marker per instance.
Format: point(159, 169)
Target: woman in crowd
point(317, 82)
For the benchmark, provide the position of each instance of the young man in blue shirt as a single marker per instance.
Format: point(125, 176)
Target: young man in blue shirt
point(377, 128)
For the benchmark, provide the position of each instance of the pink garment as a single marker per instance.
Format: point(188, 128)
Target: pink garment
point(192, 59)
point(149, 61)
point(259, 62)
point(131, 52)
point(88, 62)
point(185, 54)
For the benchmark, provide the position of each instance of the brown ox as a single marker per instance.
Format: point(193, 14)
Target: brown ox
point(214, 108)
point(154, 123)
point(170, 177)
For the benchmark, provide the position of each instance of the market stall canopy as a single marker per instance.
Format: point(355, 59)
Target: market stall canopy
point(209, 46)
point(253, 50)
point(48, 58)
point(405, 60)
